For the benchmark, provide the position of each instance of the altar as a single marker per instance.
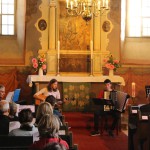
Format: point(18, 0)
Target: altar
point(77, 90)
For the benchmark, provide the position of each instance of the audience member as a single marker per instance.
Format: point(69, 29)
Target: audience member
point(52, 100)
point(4, 119)
point(54, 146)
point(2, 91)
point(44, 108)
point(48, 127)
point(13, 111)
point(27, 128)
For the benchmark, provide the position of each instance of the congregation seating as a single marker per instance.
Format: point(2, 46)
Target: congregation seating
point(69, 139)
point(139, 129)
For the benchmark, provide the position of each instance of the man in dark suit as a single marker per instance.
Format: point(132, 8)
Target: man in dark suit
point(4, 119)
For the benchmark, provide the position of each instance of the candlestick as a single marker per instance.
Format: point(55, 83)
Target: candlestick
point(91, 48)
point(58, 53)
point(67, 2)
point(133, 89)
point(103, 3)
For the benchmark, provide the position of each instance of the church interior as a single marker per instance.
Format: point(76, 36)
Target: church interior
point(84, 46)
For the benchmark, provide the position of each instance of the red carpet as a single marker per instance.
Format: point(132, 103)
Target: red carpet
point(81, 134)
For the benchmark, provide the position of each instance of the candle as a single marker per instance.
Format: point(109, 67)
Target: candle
point(67, 1)
point(103, 3)
point(75, 3)
point(99, 5)
point(133, 89)
point(58, 53)
point(91, 48)
point(71, 5)
point(106, 4)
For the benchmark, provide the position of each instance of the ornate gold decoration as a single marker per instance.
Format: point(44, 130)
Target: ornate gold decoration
point(42, 24)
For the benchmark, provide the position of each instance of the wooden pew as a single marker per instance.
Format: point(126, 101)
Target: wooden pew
point(139, 130)
point(15, 142)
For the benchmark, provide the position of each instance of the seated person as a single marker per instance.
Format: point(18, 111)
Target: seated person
point(54, 146)
point(4, 119)
point(2, 91)
point(44, 108)
point(100, 113)
point(13, 111)
point(51, 89)
point(48, 127)
point(51, 99)
point(27, 128)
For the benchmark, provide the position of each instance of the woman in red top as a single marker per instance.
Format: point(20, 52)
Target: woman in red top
point(48, 127)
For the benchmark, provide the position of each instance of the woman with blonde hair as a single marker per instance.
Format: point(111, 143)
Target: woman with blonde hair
point(48, 127)
point(44, 108)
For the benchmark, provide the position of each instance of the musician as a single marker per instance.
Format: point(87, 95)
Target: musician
point(101, 113)
point(51, 89)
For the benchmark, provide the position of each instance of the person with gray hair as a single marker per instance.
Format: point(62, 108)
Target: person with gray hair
point(4, 119)
point(2, 91)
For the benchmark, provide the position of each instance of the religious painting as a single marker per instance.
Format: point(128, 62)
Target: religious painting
point(74, 32)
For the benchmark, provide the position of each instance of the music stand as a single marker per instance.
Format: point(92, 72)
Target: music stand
point(102, 101)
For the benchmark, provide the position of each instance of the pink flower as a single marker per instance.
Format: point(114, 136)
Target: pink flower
point(35, 65)
point(42, 59)
point(44, 67)
point(105, 60)
point(112, 67)
point(34, 60)
point(116, 61)
point(107, 66)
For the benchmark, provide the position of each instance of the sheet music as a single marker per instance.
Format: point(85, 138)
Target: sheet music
point(9, 96)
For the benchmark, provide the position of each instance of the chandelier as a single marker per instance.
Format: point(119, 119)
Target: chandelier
point(86, 8)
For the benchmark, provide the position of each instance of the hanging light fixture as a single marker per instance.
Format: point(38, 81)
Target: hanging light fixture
point(86, 8)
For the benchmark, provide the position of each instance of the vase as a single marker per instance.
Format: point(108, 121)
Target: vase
point(40, 72)
point(111, 72)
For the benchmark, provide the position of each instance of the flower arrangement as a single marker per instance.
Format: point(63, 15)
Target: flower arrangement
point(112, 63)
point(39, 62)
